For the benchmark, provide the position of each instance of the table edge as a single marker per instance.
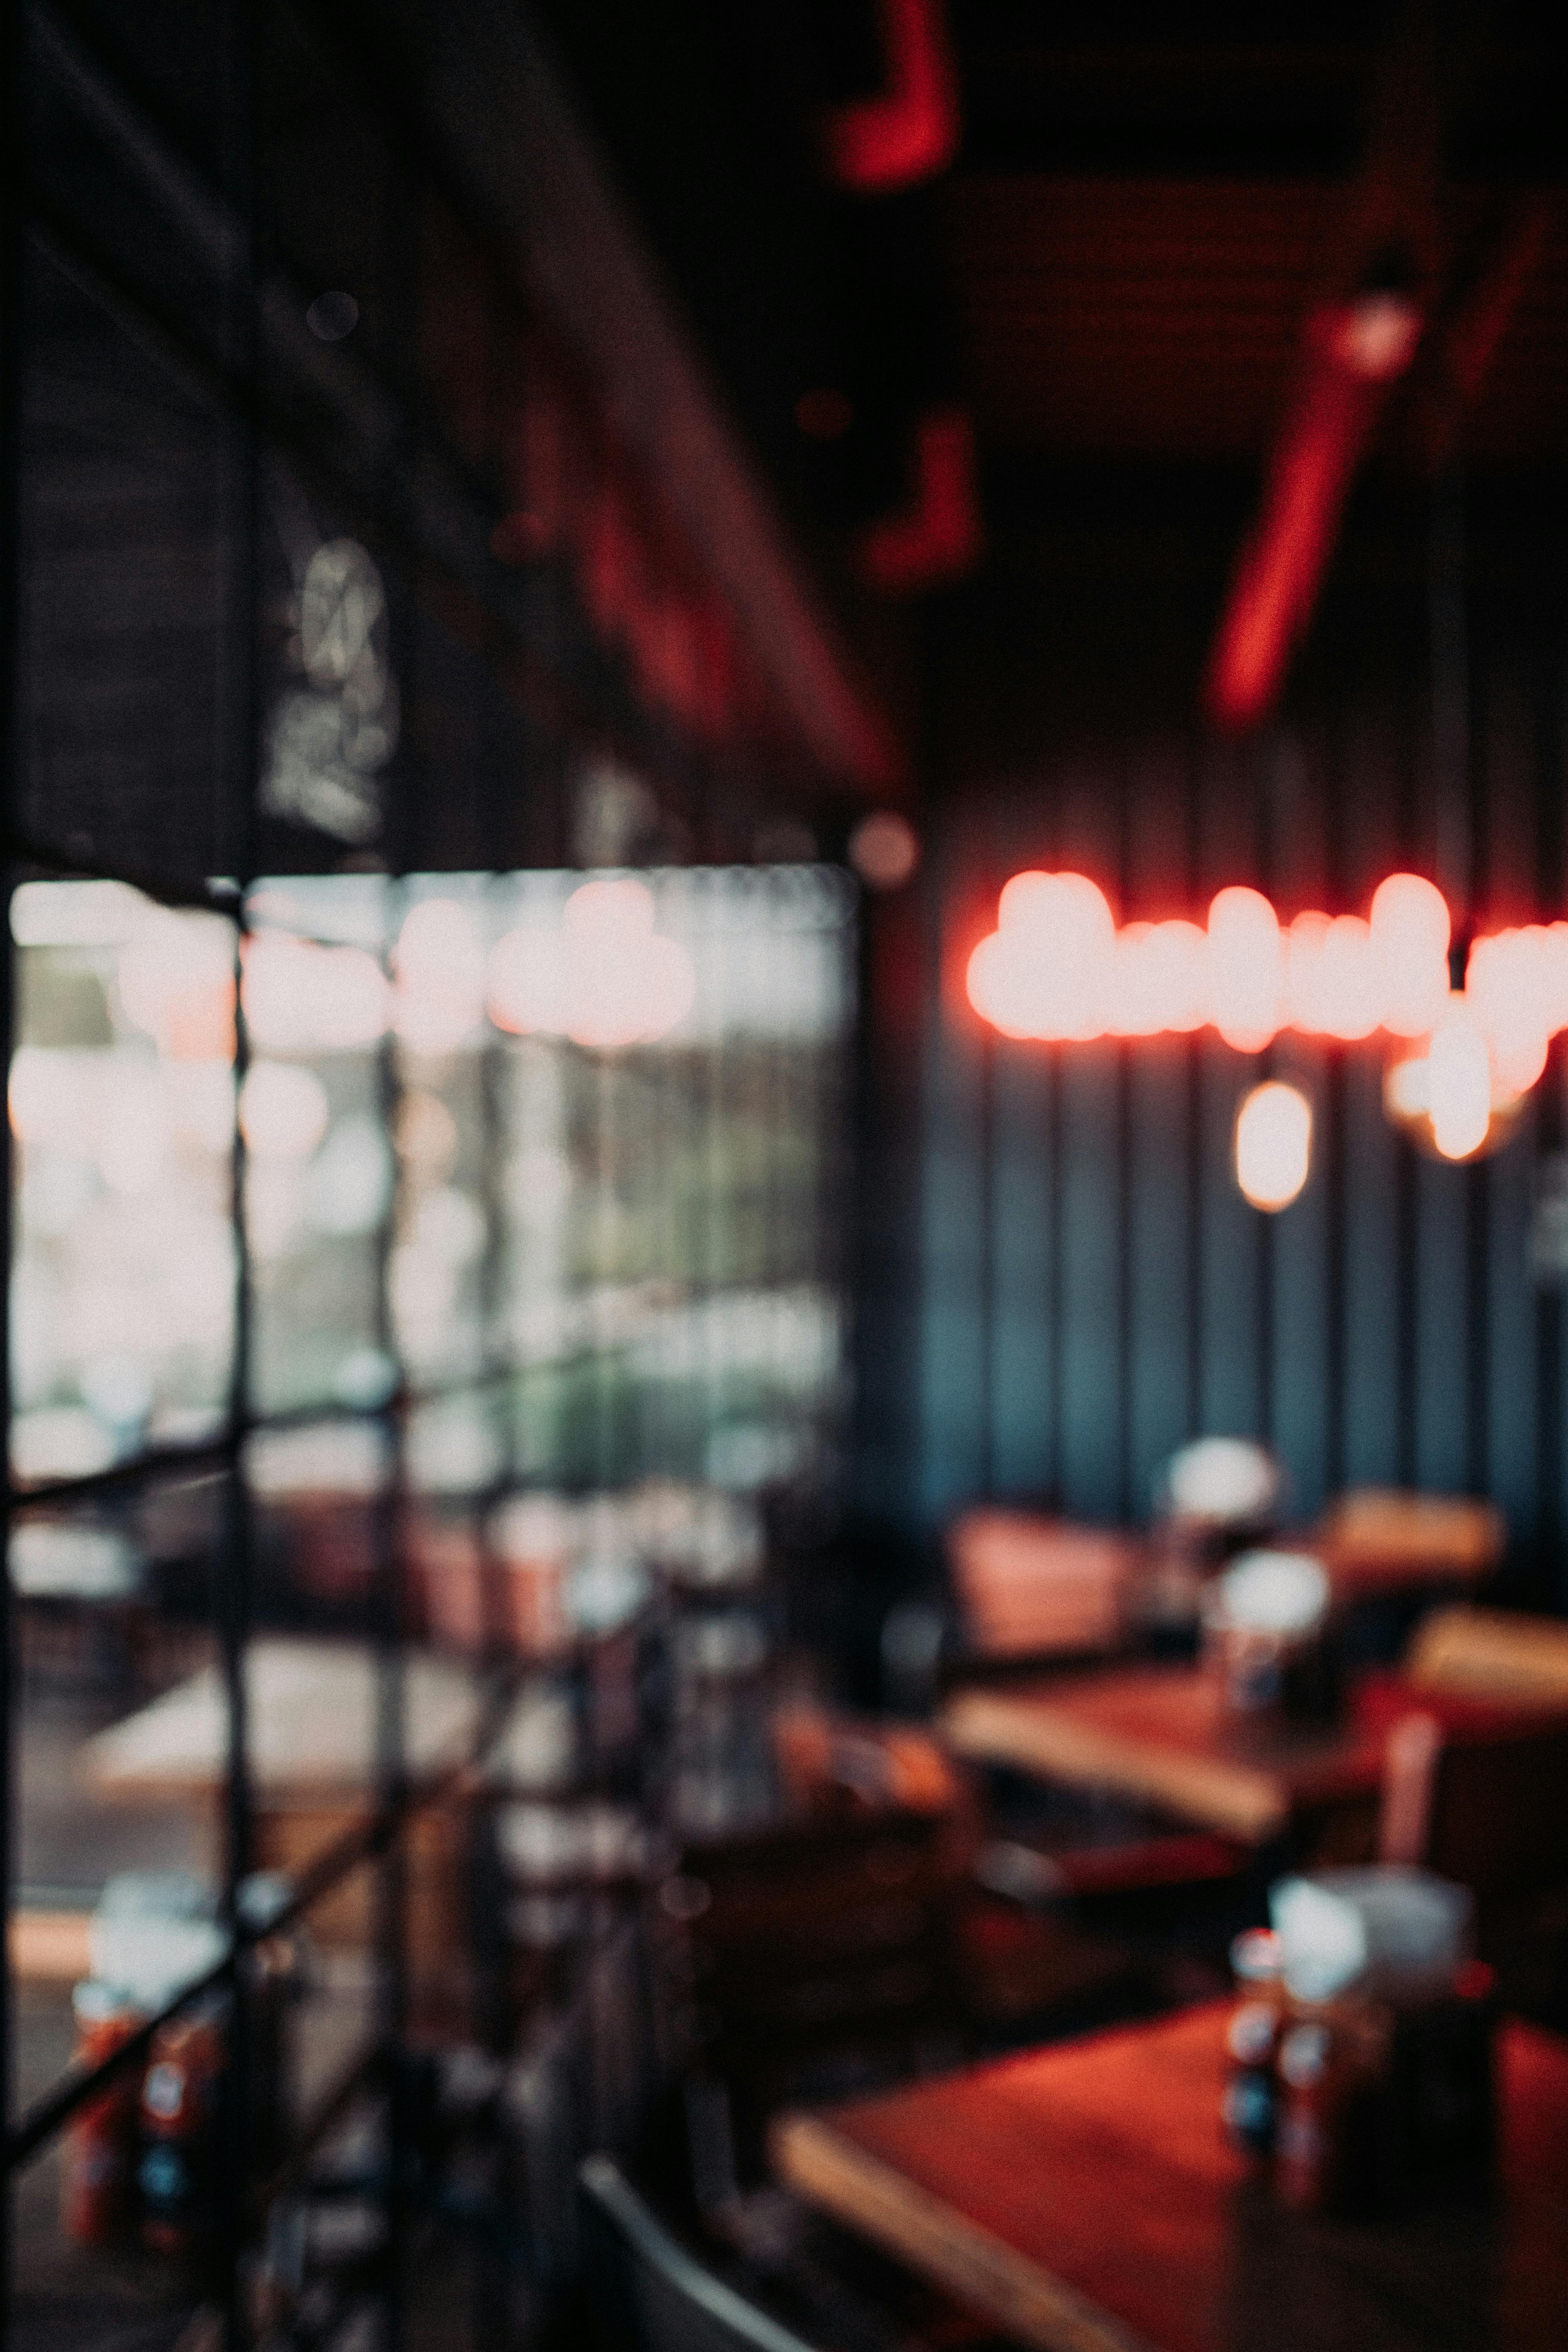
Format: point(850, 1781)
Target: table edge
point(831, 2171)
point(992, 1727)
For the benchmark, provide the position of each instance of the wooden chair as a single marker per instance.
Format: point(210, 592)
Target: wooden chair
point(814, 1956)
point(1490, 1811)
point(1384, 1539)
point(1029, 1588)
point(1060, 1935)
point(775, 2274)
point(1492, 1653)
point(1488, 1807)
point(809, 1939)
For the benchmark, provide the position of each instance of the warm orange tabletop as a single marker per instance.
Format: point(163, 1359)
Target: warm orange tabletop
point(1082, 2198)
point(1161, 1735)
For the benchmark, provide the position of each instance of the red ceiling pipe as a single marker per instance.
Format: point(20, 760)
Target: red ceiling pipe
point(1354, 352)
point(910, 132)
point(938, 535)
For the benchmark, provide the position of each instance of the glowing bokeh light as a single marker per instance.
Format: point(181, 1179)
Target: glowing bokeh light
point(1056, 967)
point(1410, 934)
point(175, 982)
point(629, 984)
point(1423, 1081)
point(1049, 970)
point(440, 967)
point(1273, 1144)
point(884, 850)
point(283, 1111)
point(50, 1098)
point(300, 998)
point(1332, 976)
point(1160, 980)
point(1509, 985)
point(1246, 967)
point(1459, 1082)
point(525, 982)
point(605, 978)
point(1137, 1007)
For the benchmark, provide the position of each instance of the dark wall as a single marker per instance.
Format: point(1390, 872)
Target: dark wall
point(1062, 1281)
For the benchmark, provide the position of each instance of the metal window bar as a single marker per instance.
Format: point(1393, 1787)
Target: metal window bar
point(379, 1836)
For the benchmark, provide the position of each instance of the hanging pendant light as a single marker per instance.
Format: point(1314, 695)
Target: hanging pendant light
point(1273, 1144)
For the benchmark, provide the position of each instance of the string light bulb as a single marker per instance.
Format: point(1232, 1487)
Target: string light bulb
point(1447, 1092)
point(1058, 968)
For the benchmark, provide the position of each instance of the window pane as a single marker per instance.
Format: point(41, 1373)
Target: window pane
point(121, 468)
point(320, 1170)
point(122, 1119)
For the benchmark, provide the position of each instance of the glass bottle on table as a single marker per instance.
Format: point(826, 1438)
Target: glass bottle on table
point(99, 2149)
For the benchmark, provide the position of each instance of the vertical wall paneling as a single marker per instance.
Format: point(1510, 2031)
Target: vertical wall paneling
point(1161, 1399)
point(1159, 1307)
point(889, 1273)
point(1092, 1186)
point(1093, 1286)
point(1232, 1264)
point(985, 1245)
point(1091, 1304)
point(1443, 1306)
point(1513, 1397)
point(1517, 889)
point(1300, 1388)
point(1376, 1162)
point(1025, 1208)
point(1380, 1169)
point(955, 1178)
point(1023, 1215)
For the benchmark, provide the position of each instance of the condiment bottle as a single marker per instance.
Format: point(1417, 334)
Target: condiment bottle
point(99, 2145)
point(179, 2099)
point(1248, 2105)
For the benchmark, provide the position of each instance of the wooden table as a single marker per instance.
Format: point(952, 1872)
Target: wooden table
point(312, 1741)
point(1083, 2199)
point(1161, 1735)
point(311, 1718)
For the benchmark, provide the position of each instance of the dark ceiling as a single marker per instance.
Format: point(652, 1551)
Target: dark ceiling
point(1155, 317)
point(1117, 266)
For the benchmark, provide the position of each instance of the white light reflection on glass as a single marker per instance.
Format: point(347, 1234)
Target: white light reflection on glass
point(124, 1110)
point(605, 978)
point(121, 1106)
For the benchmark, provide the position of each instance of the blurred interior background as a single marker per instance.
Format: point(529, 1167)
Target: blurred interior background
point(566, 1364)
